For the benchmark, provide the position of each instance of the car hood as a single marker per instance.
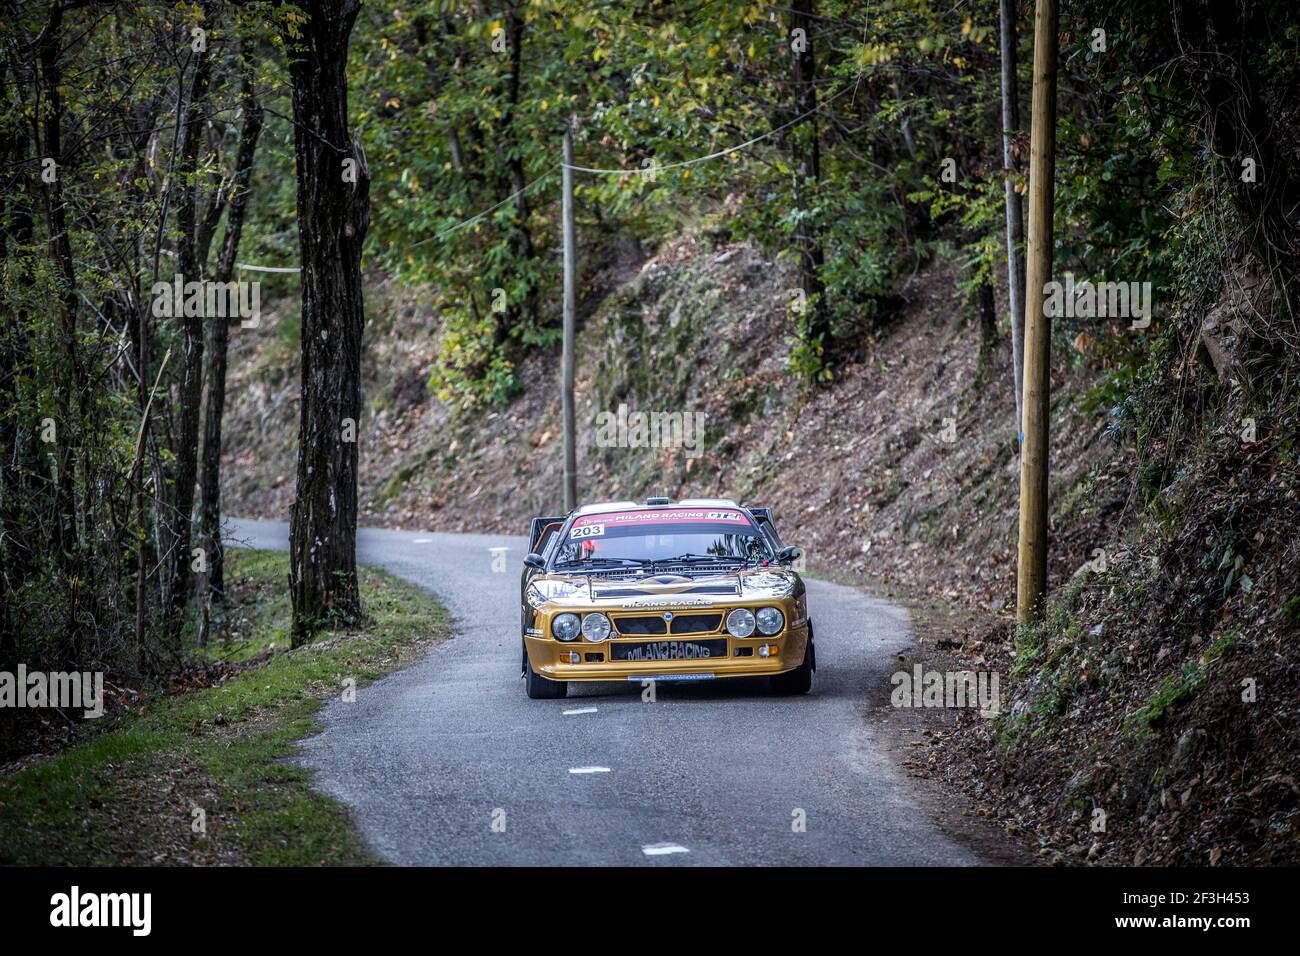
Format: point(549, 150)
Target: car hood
point(667, 590)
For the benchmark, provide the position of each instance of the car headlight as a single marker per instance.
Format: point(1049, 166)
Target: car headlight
point(770, 620)
point(595, 627)
point(740, 622)
point(565, 627)
point(534, 597)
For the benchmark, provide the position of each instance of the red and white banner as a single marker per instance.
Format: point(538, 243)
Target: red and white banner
point(633, 519)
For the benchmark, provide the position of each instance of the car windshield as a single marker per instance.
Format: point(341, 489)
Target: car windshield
point(661, 536)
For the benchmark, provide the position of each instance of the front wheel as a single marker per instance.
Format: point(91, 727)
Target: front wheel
point(799, 680)
point(542, 688)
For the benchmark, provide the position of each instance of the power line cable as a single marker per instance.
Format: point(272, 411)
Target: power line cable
point(249, 268)
point(478, 217)
point(487, 212)
point(722, 152)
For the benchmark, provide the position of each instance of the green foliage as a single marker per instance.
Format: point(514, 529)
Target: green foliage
point(456, 107)
point(81, 346)
point(84, 805)
point(449, 135)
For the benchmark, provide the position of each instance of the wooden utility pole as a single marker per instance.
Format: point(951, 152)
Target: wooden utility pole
point(570, 321)
point(1032, 571)
point(1015, 227)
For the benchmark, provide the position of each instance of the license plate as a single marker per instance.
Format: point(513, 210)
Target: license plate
point(668, 650)
point(643, 678)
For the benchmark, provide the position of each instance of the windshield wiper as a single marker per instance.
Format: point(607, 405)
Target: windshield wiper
point(600, 562)
point(698, 558)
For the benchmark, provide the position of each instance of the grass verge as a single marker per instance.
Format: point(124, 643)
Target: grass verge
point(200, 778)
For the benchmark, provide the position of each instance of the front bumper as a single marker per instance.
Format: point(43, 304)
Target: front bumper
point(549, 658)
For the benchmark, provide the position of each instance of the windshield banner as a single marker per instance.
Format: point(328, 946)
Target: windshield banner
point(633, 519)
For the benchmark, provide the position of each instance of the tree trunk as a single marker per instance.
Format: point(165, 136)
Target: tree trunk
point(190, 403)
point(219, 330)
point(1015, 222)
point(807, 162)
point(16, 439)
point(140, 328)
point(333, 215)
point(69, 384)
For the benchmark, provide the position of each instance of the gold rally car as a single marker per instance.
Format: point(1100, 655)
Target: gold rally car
point(697, 589)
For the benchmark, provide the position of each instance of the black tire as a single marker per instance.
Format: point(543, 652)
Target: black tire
point(542, 688)
point(799, 680)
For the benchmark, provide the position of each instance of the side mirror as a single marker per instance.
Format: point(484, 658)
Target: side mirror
point(788, 555)
point(535, 560)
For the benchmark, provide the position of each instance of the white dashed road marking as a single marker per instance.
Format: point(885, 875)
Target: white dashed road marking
point(663, 849)
point(588, 770)
point(580, 710)
point(422, 541)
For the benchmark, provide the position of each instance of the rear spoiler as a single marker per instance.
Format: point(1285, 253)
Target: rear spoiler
point(539, 525)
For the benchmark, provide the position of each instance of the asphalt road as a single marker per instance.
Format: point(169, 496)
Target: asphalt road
point(717, 773)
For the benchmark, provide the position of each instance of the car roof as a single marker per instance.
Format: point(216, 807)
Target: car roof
point(607, 506)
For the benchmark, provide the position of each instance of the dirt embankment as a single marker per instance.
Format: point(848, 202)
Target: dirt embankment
point(901, 473)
